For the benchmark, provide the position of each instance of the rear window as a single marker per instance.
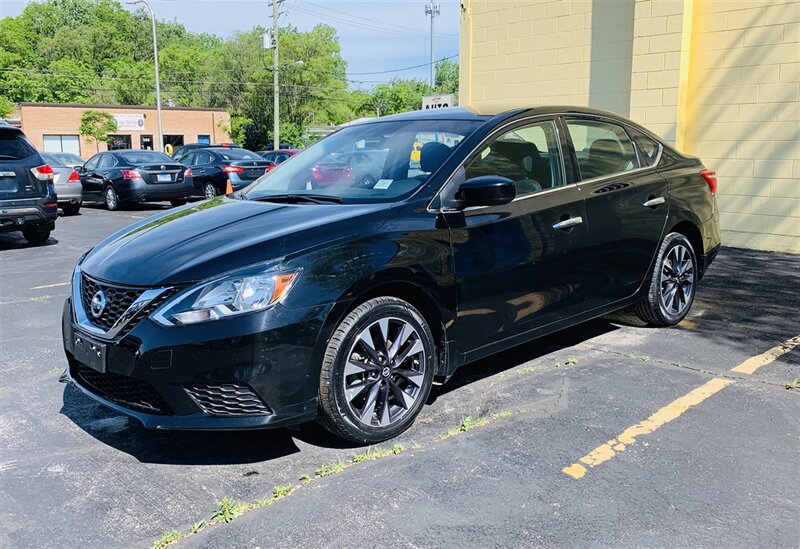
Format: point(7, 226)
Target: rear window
point(648, 148)
point(53, 160)
point(14, 146)
point(142, 157)
point(237, 154)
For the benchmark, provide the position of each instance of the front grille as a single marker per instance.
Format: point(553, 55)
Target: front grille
point(118, 299)
point(129, 392)
point(227, 400)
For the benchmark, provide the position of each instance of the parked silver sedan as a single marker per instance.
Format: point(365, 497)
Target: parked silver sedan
point(67, 182)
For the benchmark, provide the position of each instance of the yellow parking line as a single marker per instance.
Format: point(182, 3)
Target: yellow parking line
point(750, 365)
point(606, 451)
point(49, 286)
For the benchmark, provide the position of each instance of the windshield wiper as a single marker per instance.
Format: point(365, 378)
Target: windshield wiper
point(295, 198)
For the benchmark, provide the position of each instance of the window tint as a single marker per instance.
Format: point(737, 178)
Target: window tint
point(14, 146)
point(601, 148)
point(107, 161)
point(203, 157)
point(528, 155)
point(648, 147)
point(188, 160)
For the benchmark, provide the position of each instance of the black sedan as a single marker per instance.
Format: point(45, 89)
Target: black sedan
point(295, 299)
point(119, 177)
point(219, 170)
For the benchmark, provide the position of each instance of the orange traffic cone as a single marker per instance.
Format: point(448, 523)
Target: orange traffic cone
point(228, 187)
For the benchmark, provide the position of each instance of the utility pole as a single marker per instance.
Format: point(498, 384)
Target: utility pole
point(432, 10)
point(160, 146)
point(276, 132)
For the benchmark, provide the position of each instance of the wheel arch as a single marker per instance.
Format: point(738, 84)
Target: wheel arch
point(692, 232)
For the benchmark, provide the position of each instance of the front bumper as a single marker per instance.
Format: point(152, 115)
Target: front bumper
point(153, 372)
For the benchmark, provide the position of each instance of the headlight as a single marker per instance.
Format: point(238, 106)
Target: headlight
point(226, 296)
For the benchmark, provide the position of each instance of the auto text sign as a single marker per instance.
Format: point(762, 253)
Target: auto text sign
point(129, 122)
point(438, 101)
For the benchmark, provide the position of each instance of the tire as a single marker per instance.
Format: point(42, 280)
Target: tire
point(71, 209)
point(36, 235)
point(111, 199)
point(671, 292)
point(384, 395)
point(177, 202)
point(209, 190)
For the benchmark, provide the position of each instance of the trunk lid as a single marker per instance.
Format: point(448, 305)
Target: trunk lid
point(155, 173)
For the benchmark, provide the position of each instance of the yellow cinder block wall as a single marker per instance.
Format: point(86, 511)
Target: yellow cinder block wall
point(718, 79)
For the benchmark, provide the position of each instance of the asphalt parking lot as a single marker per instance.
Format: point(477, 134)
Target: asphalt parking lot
point(606, 434)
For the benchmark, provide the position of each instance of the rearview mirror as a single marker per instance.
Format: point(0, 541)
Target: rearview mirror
point(486, 190)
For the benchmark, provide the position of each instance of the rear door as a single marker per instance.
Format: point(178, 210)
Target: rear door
point(626, 207)
point(17, 158)
point(91, 181)
point(519, 266)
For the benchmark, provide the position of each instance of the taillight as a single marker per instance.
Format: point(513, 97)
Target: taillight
point(74, 176)
point(232, 169)
point(188, 173)
point(711, 180)
point(130, 174)
point(43, 172)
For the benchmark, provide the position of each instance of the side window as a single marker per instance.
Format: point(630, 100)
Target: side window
point(280, 158)
point(602, 148)
point(271, 157)
point(91, 164)
point(429, 150)
point(528, 155)
point(188, 159)
point(107, 161)
point(648, 147)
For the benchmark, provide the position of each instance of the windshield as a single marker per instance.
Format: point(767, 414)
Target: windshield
point(143, 157)
point(375, 162)
point(14, 146)
point(237, 154)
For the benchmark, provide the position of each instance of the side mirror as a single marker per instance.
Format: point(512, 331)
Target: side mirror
point(486, 190)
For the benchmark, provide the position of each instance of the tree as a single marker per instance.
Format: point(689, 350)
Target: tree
point(446, 78)
point(6, 107)
point(398, 96)
point(97, 125)
point(237, 127)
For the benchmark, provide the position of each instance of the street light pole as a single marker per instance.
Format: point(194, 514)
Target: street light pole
point(276, 131)
point(158, 80)
point(432, 10)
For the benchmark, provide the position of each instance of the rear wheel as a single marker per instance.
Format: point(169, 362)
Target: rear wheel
point(377, 371)
point(209, 190)
point(72, 208)
point(112, 201)
point(672, 284)
point(36, 235)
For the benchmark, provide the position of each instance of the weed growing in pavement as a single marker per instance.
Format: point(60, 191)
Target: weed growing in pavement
point(375, 453)
point(167, 539)
point(197, 526)
point(571, 361)
point(228, 510)
point(305, 479)
point(794, 384)
point(468, 423)
point(416, 445)
point(281, 491)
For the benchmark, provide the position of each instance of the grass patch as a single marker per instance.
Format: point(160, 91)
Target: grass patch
point(794, 384)
point(281, 491)
point(376, 453)
point(167, 539)
point(196, 527)
point(330, 469)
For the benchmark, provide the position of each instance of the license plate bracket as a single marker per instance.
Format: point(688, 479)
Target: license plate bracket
point(163, 178)
point(89, 352)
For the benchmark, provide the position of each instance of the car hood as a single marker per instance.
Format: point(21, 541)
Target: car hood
point(206, 239)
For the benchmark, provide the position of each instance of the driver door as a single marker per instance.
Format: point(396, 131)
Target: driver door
point(519, 266)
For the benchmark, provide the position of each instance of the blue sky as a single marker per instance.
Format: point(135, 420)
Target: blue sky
point(375, 35)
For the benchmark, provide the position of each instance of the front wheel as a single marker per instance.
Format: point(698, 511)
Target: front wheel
point(377, 371)
point(672, 284)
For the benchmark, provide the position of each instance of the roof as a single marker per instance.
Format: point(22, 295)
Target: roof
point(450, 113)
point(108, 106)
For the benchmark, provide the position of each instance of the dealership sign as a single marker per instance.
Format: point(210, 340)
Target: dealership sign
point(438, 101)
point(129, 122)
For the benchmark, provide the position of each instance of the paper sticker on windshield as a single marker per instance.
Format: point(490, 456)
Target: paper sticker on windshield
point(383, 184)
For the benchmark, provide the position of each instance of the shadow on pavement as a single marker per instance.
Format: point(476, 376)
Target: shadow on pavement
point(15, 241)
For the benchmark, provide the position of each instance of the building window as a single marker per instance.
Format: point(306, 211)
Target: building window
point(204, 139)
point(146, 142)
point(116, 142)
point(174, 140)
point(63, 143)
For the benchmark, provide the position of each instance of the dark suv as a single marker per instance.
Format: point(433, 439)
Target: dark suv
point(28, 201)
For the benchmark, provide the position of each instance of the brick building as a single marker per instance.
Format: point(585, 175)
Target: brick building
point(54, 126)
point(719, 79)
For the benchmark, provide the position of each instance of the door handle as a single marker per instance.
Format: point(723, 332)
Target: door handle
point(568, 223)
point(654, 202)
